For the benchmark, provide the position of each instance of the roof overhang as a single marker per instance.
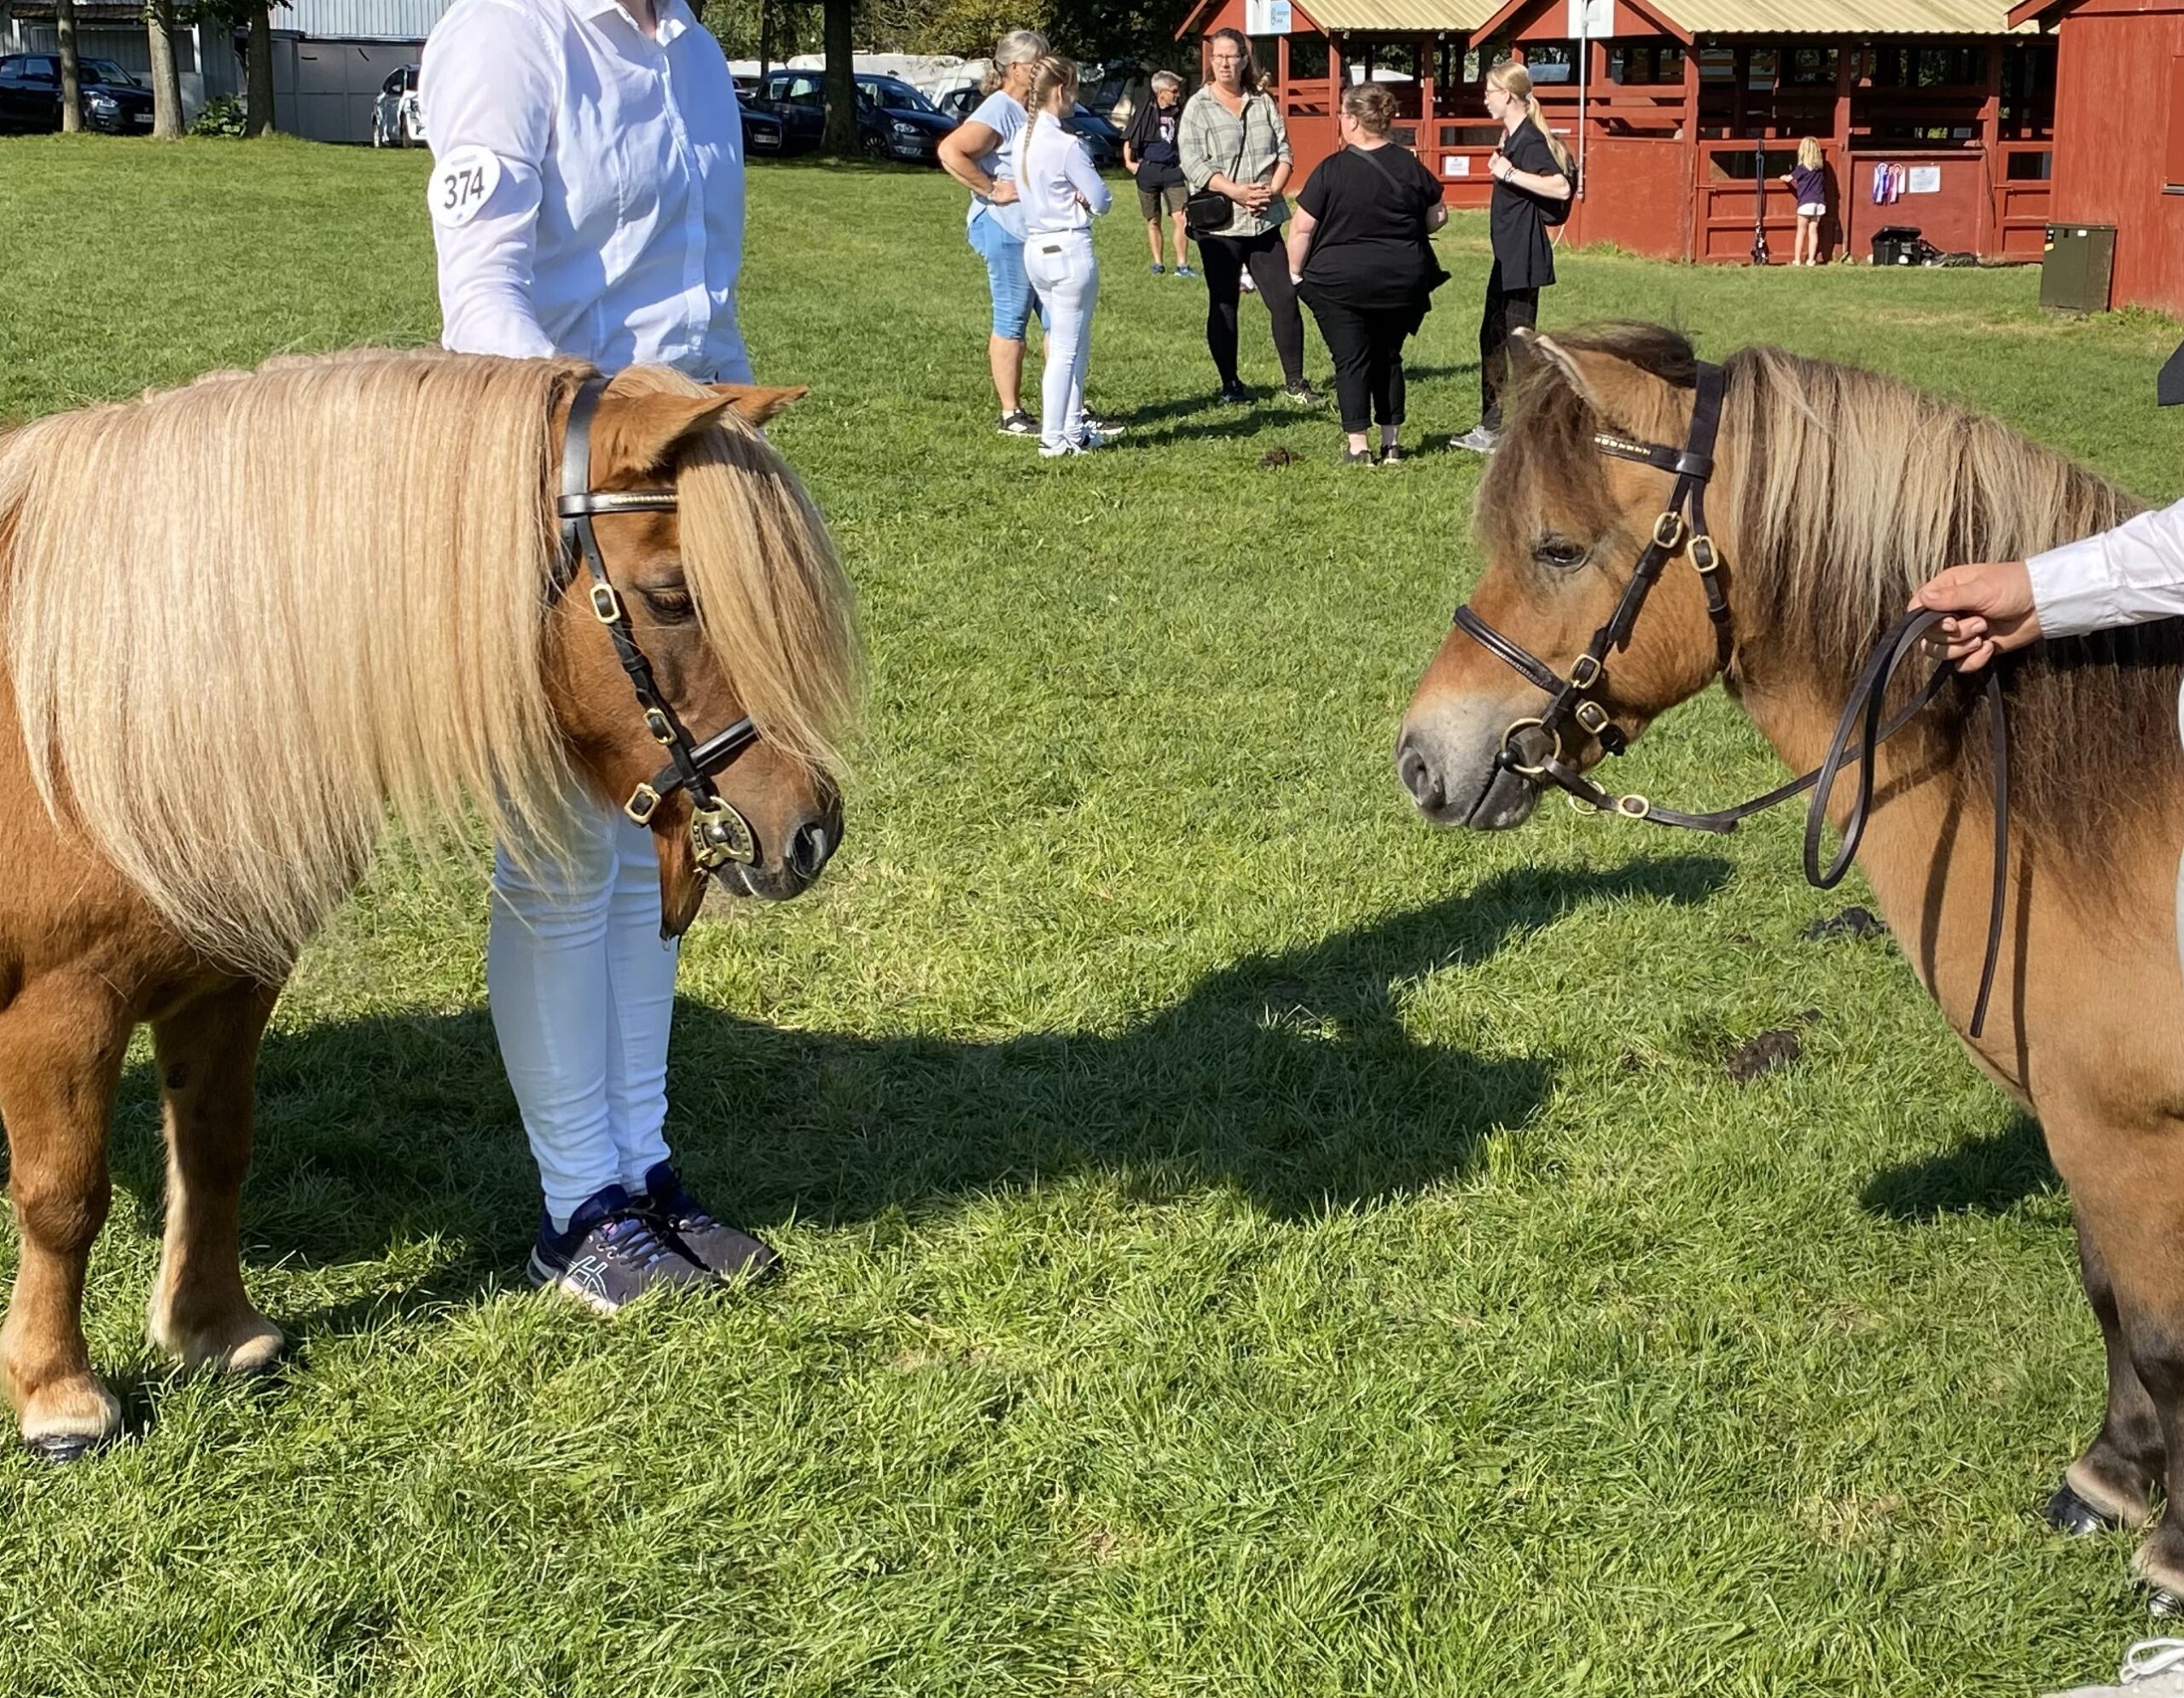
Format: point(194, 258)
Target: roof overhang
point(1652, 14)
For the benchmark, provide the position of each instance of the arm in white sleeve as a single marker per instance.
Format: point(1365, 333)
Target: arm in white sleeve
point(2126, 576)
point(490, 81)
point(1085, 180)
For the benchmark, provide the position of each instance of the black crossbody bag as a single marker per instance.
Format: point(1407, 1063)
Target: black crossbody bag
point(1207, 210)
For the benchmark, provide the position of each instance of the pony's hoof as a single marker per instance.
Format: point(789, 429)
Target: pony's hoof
point(65, 1447)
point(2070, 1514)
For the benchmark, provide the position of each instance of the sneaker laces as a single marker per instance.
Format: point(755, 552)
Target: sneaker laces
point(2149, 1657)
point(628, 1238)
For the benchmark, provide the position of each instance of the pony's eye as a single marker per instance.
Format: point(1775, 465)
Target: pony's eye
point(1560, 552)
point(669, 606)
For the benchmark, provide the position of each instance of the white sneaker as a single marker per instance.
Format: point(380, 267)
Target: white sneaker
point(2152, 1668)
point(1084, 443)
point(1478, 439)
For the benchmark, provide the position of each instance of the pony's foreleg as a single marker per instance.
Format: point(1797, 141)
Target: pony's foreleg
point(61, 1044)
point(207, 1055)
point(2112, 1484)
point(2129, 1206)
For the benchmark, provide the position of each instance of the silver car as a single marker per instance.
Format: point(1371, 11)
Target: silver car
point(398, 121)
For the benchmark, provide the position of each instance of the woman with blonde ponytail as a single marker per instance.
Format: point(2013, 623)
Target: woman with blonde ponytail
point(1532, 188)
point(1061, 195)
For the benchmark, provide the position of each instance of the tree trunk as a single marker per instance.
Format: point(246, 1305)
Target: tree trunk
point(258, 89)
point(765, 38)
point(166, 80)
point(840, 139)
point(72, 81)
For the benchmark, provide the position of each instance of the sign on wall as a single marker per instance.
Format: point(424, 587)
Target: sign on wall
point(1592, 19)
point(1266, 17)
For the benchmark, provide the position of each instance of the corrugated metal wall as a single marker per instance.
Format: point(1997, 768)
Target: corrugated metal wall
point(360, 19)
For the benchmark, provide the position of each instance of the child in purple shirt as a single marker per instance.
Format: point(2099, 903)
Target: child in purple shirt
point(1808, 189)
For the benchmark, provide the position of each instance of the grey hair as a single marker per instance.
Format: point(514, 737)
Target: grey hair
point(1019, 47)
point(1166, 79)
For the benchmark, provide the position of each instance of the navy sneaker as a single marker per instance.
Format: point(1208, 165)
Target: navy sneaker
point(1098, 423)
point(612, 1254)
point(719, 1249)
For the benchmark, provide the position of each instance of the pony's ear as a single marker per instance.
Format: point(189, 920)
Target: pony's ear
point(754, 404)
point(1622, 394)
point(641, 433)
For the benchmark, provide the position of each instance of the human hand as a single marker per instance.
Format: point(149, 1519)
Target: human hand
point(1003, 192)
point(1499, 168)
point(1990, 611)
point(1257, 194)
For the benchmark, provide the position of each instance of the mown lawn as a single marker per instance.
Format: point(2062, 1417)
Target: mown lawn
point(1242, 1241)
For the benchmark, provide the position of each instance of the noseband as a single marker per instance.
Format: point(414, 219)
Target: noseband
point(1571, 699)
point(719, 836)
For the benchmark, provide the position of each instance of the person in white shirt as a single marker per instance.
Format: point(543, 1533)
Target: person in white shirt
point(1061, 194)
point(587, 201)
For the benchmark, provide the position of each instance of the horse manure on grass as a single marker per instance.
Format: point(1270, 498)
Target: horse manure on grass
point(1765, 1052)
point(1851, 923)
point(1275, 458)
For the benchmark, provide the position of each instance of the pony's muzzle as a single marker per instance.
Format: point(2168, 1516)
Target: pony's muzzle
point(1451, 764)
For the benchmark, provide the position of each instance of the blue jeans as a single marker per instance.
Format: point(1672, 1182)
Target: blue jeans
point(1013, 299)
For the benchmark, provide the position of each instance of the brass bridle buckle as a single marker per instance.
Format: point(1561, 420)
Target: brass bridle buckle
point(1703, 559)
point(1591, 716)
point(1585, 672)
point(1668, 531)
point(720, 837)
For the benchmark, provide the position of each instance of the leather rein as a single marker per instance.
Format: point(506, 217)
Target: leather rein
point(1859, 733)
point(719, 835)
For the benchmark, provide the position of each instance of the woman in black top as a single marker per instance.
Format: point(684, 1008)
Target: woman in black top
point(1359, 255)
point(1531, 190)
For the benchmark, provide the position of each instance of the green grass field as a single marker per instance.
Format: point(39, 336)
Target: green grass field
point(1243, 1241)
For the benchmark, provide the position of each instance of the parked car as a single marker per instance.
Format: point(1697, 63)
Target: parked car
point(894, 121)
point(1102, 139)
point(959, 104)
point(397, 120)
point(765, 137)
point(112, 101)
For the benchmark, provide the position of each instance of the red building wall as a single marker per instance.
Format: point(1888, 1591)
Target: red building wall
point(2119, 106)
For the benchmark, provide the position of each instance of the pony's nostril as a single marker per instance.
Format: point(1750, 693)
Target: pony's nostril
point(1419, 778)
point(807, 850)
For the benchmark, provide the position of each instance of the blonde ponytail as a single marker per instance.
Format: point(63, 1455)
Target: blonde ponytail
point(1516, 82)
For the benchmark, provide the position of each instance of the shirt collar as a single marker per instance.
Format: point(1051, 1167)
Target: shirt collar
point(674, 17)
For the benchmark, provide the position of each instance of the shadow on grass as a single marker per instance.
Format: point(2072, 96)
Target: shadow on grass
point(1288, 1079)
point(1985, 1176)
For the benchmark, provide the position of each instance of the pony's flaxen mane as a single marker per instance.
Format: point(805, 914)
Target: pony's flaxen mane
point(1841, 490)
point(248, 620)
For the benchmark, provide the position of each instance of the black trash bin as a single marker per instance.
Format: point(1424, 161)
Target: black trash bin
point(1896, 244)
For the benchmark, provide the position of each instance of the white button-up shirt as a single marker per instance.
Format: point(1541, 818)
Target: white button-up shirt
point(587, 196)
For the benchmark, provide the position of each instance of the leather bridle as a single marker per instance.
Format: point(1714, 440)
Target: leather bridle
point(1571, 699)
point(719, 835)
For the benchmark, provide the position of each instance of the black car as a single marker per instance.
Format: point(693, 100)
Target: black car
point(112, 99)
point(764, 135)
point(894, 121)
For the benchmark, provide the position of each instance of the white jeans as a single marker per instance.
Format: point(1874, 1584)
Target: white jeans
point(583, 990)
point(1062, 270)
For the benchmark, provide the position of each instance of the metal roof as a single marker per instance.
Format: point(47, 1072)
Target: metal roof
point(1840, 17)
point(1434, 17)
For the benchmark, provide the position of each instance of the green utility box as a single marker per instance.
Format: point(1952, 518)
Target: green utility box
point(2075, 268)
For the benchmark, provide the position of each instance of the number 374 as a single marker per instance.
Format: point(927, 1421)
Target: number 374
point(464, 188)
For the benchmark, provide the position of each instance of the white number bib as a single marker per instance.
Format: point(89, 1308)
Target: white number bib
point(462, 182)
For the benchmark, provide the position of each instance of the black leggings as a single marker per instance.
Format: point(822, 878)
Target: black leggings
point(1505, 310)
point(1223, 259)
point(1366, 344)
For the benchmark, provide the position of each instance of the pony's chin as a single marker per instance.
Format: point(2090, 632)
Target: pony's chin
point(1506, 802)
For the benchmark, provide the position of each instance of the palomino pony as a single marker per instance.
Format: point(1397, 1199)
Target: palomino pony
point(1834, 494)
point(250, 622)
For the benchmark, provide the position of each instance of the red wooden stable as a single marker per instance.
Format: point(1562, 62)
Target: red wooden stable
point(1676, 113)
point(2119, 151)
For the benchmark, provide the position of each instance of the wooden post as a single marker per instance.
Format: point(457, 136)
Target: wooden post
point(1740, 76)
point(1990, 149)
point(1693, 190)
point(1427, 141)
